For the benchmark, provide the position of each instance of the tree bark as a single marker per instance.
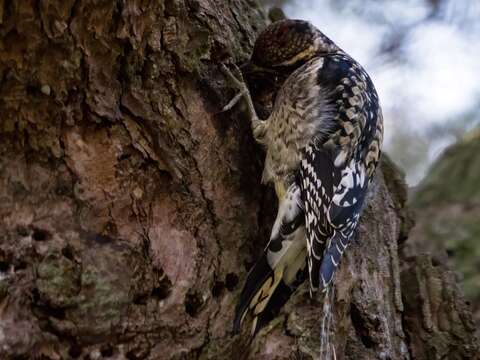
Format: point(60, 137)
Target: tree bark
point(131, 210)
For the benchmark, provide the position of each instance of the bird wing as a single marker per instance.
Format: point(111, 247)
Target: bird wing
point(343, 215)
point(317, 176)
point(333, 197)
point(334, 176)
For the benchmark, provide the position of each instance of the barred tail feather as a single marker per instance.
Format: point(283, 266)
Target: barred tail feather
point(259, 280)
point(332, 257)
point(266, 286)
point(279, 297)
point(282, 293)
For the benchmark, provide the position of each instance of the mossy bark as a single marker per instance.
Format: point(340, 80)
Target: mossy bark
point(447, 207)
point(131, 211)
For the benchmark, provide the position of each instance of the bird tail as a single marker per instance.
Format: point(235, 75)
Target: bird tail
point(259, 280)
point(331, 258)
point(266, 288)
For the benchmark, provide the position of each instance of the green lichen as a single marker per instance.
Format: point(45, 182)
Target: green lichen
point(195, 48)
point(58, 280)
point(105, 293)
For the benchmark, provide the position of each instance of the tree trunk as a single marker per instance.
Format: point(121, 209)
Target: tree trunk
point(131, 211)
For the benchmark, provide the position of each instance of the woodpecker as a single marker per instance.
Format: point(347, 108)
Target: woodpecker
point(323, 142)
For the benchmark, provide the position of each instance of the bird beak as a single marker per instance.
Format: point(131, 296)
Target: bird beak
point(250, 68)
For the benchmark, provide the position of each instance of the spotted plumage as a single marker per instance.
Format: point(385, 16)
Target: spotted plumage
point(323, 142)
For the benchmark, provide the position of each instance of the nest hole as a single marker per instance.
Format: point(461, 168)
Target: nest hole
point(40, 235)
point(4, 266)
point(131, 355)
point(56, 313)
point(193, 303)
point(217, 288)
point(67, 251)
point(231, 281)
point(106, 351)
point(20, 265)
point(75, 351)
point(161, 292)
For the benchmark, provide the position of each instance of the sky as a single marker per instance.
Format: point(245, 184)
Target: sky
point(429, 85)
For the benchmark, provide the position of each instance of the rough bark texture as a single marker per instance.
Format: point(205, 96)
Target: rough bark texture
point(130, 212)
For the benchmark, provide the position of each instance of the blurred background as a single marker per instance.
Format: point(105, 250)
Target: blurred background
point(423, 56)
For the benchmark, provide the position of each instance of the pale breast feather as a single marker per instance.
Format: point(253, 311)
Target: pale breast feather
point(301, 112)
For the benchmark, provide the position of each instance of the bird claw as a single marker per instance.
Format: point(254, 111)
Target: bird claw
point(237, 78)
point(258, 126)
point(233, 102)
point(237, 81)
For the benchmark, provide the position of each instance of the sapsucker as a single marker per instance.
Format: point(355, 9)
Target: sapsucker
point(323, 142)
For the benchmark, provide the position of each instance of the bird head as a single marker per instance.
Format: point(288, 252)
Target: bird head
point(287, 44)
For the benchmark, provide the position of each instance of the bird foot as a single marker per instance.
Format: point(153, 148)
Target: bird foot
point(235, 77)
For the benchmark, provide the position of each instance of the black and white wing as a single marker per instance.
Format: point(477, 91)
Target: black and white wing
point(333, 198)
point(334, 175)
point(317, 183)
